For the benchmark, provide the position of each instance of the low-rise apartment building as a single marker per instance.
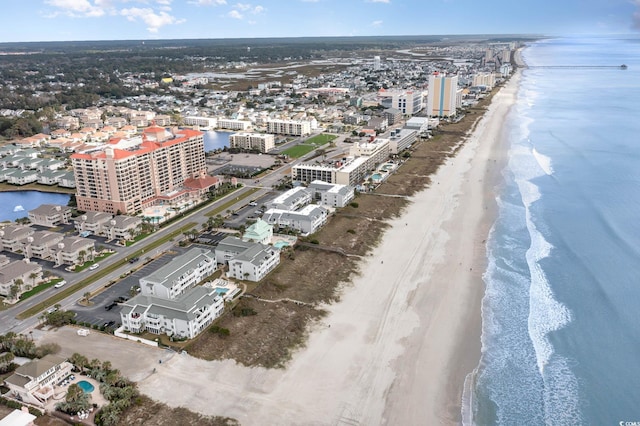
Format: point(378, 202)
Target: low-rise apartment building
point(50, 215)
point(179, 275)
point(263, 142)
point(233, 124)
point(183, 317)
point(306, 221)
point(289, 127)
point(21, 274)
point(331, 194)
point(292, 199)
point(254, 263)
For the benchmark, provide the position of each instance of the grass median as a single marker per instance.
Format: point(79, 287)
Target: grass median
point(224, 207)
point(68, 291)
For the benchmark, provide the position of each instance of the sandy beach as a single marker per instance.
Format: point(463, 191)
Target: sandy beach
point(397, 348)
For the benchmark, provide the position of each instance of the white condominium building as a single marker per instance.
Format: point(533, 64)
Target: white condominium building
point(204, 122)
point(289, 127)
point(262, 142)
point(180, 274)
point(233, 124)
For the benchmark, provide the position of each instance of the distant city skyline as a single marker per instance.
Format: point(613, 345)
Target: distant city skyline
point(68, 20)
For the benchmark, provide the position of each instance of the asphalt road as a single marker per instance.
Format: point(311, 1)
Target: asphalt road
point(8, 322)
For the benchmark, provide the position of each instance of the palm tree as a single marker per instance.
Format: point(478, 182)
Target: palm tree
point(33, 277)
point(86, 296)
point(81, 255)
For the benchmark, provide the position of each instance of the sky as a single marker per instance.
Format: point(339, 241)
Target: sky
point(64, 20)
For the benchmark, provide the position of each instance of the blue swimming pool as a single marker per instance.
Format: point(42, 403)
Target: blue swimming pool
point(376, 177)
point(280, 244)
point(86, 386)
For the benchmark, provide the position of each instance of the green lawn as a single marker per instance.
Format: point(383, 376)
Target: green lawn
point(222, 209)
point(308, 145)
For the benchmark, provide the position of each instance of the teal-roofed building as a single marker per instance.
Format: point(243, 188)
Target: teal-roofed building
point(259, 232)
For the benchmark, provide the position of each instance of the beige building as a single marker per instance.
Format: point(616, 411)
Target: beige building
point(34, 381)
point(487, 79)
point(129, 175)
point(442, 99)
point(263, 142)
point(16, 272)
point(289, 127)
point(50, 215)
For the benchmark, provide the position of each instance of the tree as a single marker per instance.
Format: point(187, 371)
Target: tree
point(14, 290)
point(81, 255)
point(76, 400)
point(86, 296)
point(79, 361)
point(33, 277)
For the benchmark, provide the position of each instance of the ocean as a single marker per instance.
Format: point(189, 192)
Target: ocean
point(561, 312)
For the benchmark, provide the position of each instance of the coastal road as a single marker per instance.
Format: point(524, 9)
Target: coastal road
point(8, 321)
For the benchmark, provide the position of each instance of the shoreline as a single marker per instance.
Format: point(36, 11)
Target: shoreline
point(397, 347)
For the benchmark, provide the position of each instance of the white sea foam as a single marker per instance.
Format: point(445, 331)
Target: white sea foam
point(543, 161)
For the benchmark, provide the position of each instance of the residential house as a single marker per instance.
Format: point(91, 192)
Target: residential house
point(34, 381)
point(259, 232)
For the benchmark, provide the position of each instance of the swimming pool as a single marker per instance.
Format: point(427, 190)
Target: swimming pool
point(280, 244)
point(376, 177)
point(221, 290)
point(86, 386)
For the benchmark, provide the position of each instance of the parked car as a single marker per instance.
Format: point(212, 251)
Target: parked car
point(110, 306)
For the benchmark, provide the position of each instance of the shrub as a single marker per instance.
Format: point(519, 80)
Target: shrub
point(223, 332)
point(314, 241)
point(354, 204)
point(351, 231)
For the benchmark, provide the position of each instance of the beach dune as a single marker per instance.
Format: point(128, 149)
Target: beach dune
point(397, 348)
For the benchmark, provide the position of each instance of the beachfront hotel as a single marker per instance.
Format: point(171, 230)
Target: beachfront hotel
point(442, 99)
point(128, 175)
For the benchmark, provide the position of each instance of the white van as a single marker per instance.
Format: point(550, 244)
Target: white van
point(60, 284)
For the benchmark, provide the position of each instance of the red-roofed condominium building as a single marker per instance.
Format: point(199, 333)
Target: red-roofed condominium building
point(131, 174)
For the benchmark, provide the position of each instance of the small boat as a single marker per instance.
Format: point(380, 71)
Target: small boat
point(623, 67)
point(18, 208)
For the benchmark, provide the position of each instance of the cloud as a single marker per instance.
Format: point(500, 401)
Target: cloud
point(240, 9)
point(635, 18)
point(376, 23)
point(209, 2)
point(153, 20)
point(78, 8)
